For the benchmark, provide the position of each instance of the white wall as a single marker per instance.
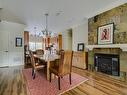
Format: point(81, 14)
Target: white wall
point(0, 3)
point(16, 54)
point(66, 40)
point(79, 35)
point(106, 8)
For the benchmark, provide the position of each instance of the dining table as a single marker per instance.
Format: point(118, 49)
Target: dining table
point(47, 58)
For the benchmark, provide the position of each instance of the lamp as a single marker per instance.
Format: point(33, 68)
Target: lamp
point(47, 35)
point(46, 31)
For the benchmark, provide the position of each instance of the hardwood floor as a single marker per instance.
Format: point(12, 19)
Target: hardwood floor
point(98, 84)
point(12, 82)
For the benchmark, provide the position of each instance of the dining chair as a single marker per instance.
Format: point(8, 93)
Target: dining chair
point(39, 52)
point(35, 66)
point(62, 66)
point(58, 52)
point(26, 55)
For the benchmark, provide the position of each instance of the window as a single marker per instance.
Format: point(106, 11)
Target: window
point(33, 46)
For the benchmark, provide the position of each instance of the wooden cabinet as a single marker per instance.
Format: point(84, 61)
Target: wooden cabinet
point(80, 60)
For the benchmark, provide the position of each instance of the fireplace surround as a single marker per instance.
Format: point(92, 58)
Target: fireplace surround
point(107, 63)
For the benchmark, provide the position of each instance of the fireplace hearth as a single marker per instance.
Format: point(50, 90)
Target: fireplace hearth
point(107, 63)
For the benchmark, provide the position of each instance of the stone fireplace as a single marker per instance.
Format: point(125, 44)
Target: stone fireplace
point(107, 63)
point(116, 55)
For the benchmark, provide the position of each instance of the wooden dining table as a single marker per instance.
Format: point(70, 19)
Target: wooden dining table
point(47, 58)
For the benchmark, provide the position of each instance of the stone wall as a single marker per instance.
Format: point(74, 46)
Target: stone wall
point(118, 16)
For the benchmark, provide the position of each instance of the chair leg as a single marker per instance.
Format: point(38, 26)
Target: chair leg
point(50, 76)
point(59, 83)
point(32, 71)
point(34, 75)
point(70, 77)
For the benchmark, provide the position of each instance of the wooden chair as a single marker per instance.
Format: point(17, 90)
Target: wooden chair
point(58, 52)
point(26, 55)
point(35, 66)
point(62, 66)
point(39, 51)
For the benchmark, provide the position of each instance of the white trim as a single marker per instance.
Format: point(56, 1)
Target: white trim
point(121, 46)
point(16, 65)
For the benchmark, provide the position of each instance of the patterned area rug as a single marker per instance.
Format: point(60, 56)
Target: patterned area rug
point(41, 86)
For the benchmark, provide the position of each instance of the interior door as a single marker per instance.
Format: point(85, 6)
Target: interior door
point(4, 47)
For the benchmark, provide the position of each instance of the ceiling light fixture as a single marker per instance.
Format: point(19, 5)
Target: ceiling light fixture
point(46, 31)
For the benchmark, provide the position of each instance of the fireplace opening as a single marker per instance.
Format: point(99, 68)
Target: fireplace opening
point(107, 63)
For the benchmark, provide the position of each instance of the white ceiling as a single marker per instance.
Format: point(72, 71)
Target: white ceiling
point(63, 14)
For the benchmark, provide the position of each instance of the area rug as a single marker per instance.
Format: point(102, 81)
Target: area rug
point(41, 86)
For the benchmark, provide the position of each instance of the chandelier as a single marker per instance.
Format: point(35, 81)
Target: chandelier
point(46, 32)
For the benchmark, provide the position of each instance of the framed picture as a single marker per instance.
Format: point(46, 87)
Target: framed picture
point(105, 34)
point(80, 47)
point(18, 42)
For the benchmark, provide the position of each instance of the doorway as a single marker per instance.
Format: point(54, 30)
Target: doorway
point(70, 39)
point(4, 47)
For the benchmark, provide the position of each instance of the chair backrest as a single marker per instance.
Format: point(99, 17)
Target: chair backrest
point(39, 51)
point(59, 51)
point(32, 59)
point(65, 64)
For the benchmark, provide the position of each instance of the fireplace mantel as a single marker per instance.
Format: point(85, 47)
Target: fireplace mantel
point(121, 46)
